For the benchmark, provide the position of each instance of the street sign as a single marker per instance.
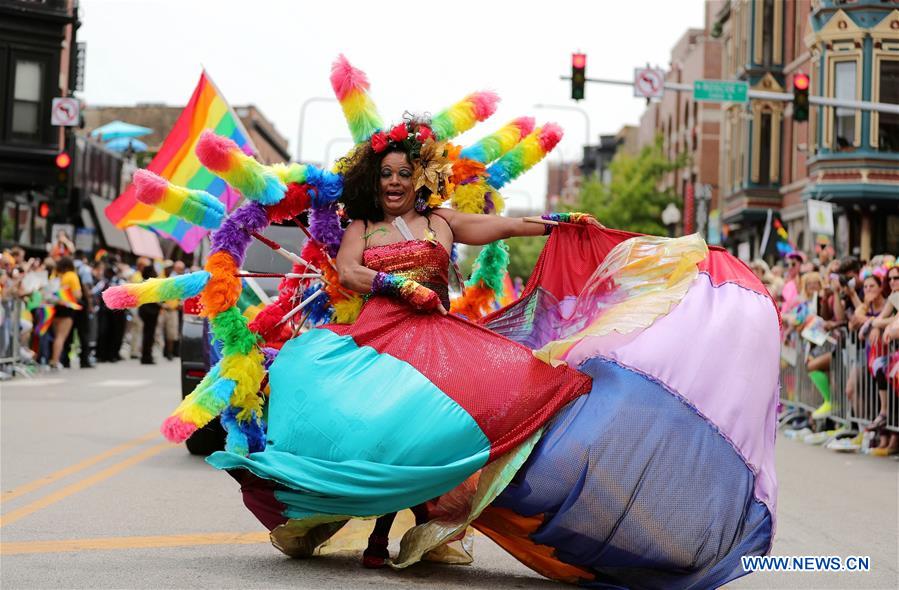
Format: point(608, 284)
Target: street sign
point(649, 82)
point(65, 112)
point(80, 50)
point(720, 91)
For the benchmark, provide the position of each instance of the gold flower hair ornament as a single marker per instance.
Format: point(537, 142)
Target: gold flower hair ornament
point(433, 170)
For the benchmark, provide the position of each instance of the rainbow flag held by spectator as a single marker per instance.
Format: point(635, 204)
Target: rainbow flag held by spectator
point(67, 299)
point(784, 245)
point(48, 312)
point(177, 162)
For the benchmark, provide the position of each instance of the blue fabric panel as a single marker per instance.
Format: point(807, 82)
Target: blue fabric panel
point(637, 487)
point(358, 433)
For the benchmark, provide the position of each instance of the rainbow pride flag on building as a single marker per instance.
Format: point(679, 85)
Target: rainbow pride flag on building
point(177, 162)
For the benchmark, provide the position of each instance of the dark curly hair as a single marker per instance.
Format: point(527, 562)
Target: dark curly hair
point(361, 170)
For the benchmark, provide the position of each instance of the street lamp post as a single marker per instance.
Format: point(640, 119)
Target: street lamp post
point(527, 195)
point(331, 143)
point(305, 104)
point(671, 217)
point(565, 107)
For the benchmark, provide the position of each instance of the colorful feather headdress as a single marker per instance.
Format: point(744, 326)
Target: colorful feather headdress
point(469, 178)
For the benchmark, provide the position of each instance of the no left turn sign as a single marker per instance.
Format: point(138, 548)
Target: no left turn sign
point(649, 82)
point(65, 112)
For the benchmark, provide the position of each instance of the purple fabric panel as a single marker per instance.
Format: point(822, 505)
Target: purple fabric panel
point(719, 349)
point(259, 498)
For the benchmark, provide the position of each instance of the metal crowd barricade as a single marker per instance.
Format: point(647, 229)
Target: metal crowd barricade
point(840, 368)
point(857, 394)
point(892, 378)
point(797, 391)
point(11, 310)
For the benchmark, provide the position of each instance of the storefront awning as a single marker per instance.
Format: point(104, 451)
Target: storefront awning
point(113, 237)
point(144, 242)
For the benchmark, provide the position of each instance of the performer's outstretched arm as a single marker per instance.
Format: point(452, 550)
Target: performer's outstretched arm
point(477, 230)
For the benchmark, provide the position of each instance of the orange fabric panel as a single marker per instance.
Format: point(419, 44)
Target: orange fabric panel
point(511, 532)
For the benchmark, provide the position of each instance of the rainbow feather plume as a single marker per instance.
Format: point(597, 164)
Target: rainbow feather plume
point(477, 197)
point(486, 284)
point(463, 115)
point(208, 400)
point(500, 142)
point(255, 181)
point(156, 290)
point(289, 173)
point(194, 206)
point(524, 156)
point(490, 266)
point(351, 88)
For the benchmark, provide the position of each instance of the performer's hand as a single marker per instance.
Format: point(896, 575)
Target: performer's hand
point(590, 220)
point(441, 309)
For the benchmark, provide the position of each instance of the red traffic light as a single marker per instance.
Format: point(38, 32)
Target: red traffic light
point(63, 160)
point(800, 81)
point(43, 210)
point(579, 60)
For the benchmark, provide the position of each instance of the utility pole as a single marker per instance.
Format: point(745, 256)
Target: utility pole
point(882, 107)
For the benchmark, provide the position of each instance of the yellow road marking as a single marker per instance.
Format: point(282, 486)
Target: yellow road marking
point(76, 487)
point(110, 543)
point(47, 480)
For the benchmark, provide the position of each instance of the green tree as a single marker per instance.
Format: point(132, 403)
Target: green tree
point(632, 201)
point(523, 254)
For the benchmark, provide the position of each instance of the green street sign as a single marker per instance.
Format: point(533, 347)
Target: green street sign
point(720, 91)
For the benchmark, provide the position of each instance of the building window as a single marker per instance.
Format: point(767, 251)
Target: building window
point(27, 99)
point(845, 74)
point(888, 123)
point(765, 148)
point(767, 31)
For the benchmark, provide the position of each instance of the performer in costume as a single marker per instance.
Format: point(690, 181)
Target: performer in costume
point(660, 476)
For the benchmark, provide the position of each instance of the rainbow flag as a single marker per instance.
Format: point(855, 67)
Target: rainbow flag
point(48, 312)
point(178, 163)
point(67, 299)
point(784, 244)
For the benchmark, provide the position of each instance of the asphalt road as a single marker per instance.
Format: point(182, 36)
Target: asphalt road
point(93, 497)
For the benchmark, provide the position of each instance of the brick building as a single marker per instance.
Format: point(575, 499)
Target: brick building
point(688, 128)
point(35, 66)
point(272, 145)
point(849, 157)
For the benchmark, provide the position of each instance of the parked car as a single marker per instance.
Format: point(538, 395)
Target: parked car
point(198, 350)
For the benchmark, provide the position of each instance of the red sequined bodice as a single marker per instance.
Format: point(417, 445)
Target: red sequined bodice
point(422, 261)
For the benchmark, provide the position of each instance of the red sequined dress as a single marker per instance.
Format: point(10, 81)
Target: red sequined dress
point(422, 261)
point(397, 408)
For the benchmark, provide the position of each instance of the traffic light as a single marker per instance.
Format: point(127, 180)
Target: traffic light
point(43, 210)
point(63, 163)
point(800, 96)
point(578, 75)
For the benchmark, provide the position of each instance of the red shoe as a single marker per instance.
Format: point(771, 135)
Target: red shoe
point(376, 554)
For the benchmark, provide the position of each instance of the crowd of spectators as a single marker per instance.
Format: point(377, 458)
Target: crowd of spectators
point(57, 303)
point(826, 302)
